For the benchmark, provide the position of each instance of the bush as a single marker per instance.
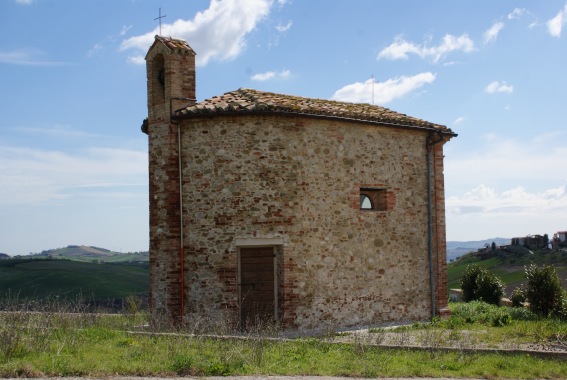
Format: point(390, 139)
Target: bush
point(489, 288)
point(468, 282)
point(560, 309)
point(478, 283)
point(518, 297)
point(543, 290)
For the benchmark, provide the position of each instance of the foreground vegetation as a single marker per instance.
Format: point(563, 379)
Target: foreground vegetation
point(78, 344)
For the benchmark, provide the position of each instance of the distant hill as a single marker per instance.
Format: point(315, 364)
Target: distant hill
point(459, 248)
point(95, 255)
point(509, 267)
point(4, 256)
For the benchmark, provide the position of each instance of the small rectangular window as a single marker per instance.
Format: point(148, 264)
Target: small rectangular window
point(375, 199)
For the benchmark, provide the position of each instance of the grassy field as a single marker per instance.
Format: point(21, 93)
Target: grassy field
point(510, 267)
point(38, 279)
point(54, 344)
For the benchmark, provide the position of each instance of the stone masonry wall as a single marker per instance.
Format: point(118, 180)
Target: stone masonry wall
point(165, 225)
point(299, 179)
point(439, 232)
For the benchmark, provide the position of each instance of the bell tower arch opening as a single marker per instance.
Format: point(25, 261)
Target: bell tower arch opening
point(157, 77)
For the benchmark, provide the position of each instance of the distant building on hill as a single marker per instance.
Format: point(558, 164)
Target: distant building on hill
point(559, 239)
point(531, 241)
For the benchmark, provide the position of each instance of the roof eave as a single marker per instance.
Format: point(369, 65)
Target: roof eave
point(182, 116)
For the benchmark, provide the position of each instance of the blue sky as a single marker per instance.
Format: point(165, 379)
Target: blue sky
point(73, 162)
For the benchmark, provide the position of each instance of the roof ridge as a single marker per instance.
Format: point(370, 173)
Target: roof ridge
point(247, 100)
point(173, 43)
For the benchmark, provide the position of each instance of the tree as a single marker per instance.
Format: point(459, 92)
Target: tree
point(493, 246)
point(543, 290)
point(468, 281)
point(478, 283)
point(489, 288)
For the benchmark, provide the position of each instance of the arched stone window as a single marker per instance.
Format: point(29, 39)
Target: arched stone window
point(365, 202)
point(372, 199)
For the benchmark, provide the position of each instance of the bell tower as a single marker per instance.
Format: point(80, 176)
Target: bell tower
point(170, 70)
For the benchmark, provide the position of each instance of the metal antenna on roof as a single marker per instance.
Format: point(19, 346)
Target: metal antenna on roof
point(159, 18)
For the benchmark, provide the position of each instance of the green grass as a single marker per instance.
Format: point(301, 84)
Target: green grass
point(38, 279)
point(53, 344)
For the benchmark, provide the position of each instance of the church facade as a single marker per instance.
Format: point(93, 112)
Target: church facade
point(277, 208)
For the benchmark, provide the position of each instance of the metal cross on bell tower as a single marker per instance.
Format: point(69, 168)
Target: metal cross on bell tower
point(159, 18)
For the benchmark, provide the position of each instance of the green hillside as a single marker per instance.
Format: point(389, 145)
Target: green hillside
point(36, 278)
point(94, 254)
point(509, 266)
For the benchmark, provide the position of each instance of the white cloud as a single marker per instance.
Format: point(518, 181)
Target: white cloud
point(137, 59)
point(271, 75)
point(458, 121)
point(514, 201)
point(400, 49)
point(33, 176)
point(384, 92)
point(555, 25)
point(508, 161)
point(506, 187)
point(125, 29)
point(491, 34)
point(501, 87)
point(95, 50)
point(517, 13)
point(57, 131)
point(514, 212)
point(284, 28)
point(218, 33)
point(27, 57)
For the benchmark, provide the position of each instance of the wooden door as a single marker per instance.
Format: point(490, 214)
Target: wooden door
point(257, 289)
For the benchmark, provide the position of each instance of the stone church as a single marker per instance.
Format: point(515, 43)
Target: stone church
point(289, 210)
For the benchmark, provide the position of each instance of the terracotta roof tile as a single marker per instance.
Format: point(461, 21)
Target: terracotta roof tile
point(174, 44)
point(252, 101)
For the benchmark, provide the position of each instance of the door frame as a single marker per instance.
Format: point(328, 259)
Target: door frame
point(259, 243)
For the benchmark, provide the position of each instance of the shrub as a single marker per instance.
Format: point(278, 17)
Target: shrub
point(543, 290)
point(560, 309)
point(478, 283)
point(468, 281)
point(489, 288)
point(518, 297)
